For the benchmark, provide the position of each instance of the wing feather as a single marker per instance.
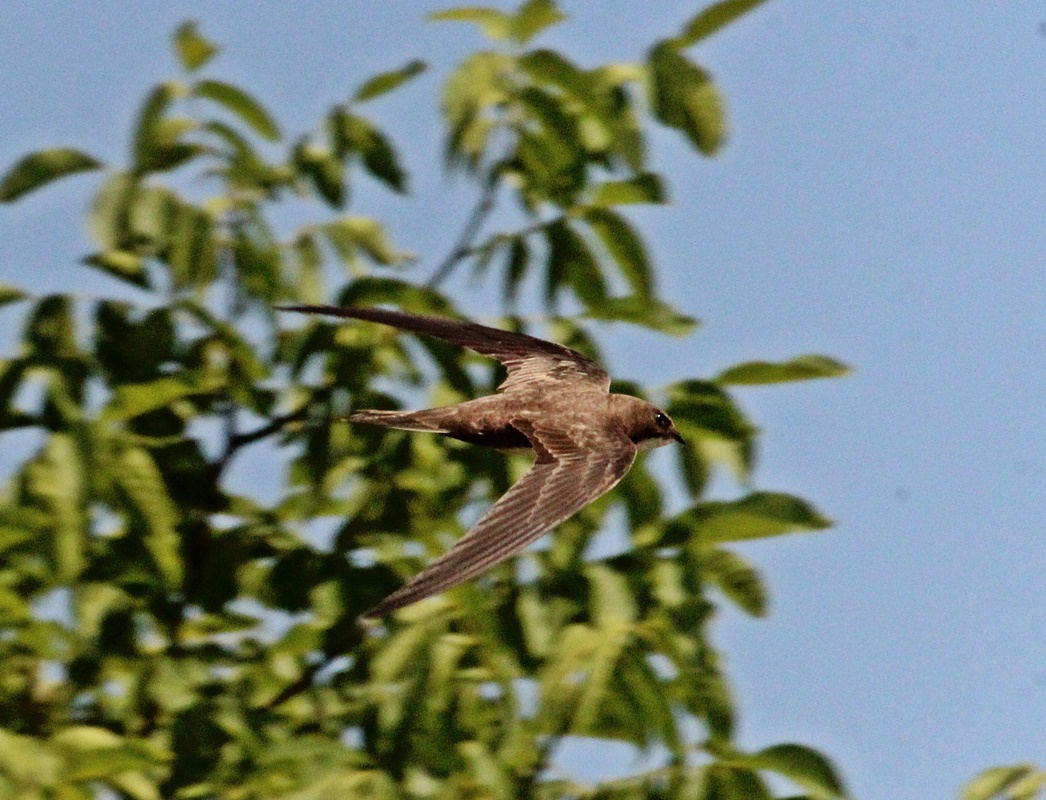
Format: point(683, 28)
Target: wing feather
point(528, 359)
point(563, 480)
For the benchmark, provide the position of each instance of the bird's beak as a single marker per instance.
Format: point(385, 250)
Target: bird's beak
point(678, 436)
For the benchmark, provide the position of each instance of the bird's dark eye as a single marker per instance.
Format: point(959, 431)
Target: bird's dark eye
point(661, 420)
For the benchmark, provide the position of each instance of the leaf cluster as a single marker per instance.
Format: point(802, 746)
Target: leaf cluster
point(205, 641)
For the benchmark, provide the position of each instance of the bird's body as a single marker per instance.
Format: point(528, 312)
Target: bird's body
point(554, 401)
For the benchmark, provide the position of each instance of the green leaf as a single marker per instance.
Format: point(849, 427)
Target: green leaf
point(610, 597)
point(803, 765)
point(645, 188)
point(495, 24)
point(194, 256)
point(40, 168)
point(684, 97)
point(122, 265)
point(733, 782)
point(132, 400)
point(625, 247)
point(736, 578)
point(350, 234)
point(49, 330)
point(56, 480)
point(756, 516)
point(354, 134)
point(238, 102)
point(387, 81)
point(324, 169)
point(1017, 782)
point(646, 311)
point(711, 19)
point(143, 486)
point(10, 294)
point(152, 137)
point(571, 263)
point(109, 219)
point(800, 368)
point(532, 18)
point(193, 50)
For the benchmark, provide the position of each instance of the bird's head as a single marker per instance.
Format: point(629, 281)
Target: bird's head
point(648, 426)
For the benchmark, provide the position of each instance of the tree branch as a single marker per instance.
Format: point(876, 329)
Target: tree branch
point(464, 245)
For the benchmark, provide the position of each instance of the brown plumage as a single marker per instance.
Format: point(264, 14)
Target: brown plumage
point(555, 401)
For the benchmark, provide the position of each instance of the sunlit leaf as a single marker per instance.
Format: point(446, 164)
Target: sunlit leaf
point(40, 168)
point(122, 265)
point(109, 219)
point(1017, 782)
point(495, 24)
point(238, 102)
point(134, 399)
point(350, 235)
point(56, 481)
point(803, 765)
point(193, 49)
point(800, 368)
point(755, 516)
point(388, 81)
point(532, 18)
point(611, 598)
point(645, 188)
point(709, 20)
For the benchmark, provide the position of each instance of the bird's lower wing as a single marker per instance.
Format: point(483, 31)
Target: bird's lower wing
point(556, 487)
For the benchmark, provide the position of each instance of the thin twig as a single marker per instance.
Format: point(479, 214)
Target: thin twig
point(464, 246)
point(239, 440)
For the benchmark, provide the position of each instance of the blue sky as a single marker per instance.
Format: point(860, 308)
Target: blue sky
point(882, 199)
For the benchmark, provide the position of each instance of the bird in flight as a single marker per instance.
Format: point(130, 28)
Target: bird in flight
point(554, 401)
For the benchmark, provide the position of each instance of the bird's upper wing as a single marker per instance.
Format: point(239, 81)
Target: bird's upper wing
point(529, 360)
point(564, 479)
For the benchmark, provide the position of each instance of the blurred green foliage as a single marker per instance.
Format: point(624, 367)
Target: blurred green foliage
point(207, 643)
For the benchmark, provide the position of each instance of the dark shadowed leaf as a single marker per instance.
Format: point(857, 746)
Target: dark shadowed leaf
point(49, 332)
point(39, 169)
point(387, 81)
point(193, 49)
point(800, 368)
point(803, 765)
point(732, 782)
point(10, 294)
point(152, 136)
point(685, 98)
point(138, 478)
point(716, 16)
point(238, 102)
point(736, 578)
point(625, 246)
point(646, 311)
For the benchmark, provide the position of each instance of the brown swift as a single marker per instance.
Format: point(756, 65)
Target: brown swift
point(554, 401)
